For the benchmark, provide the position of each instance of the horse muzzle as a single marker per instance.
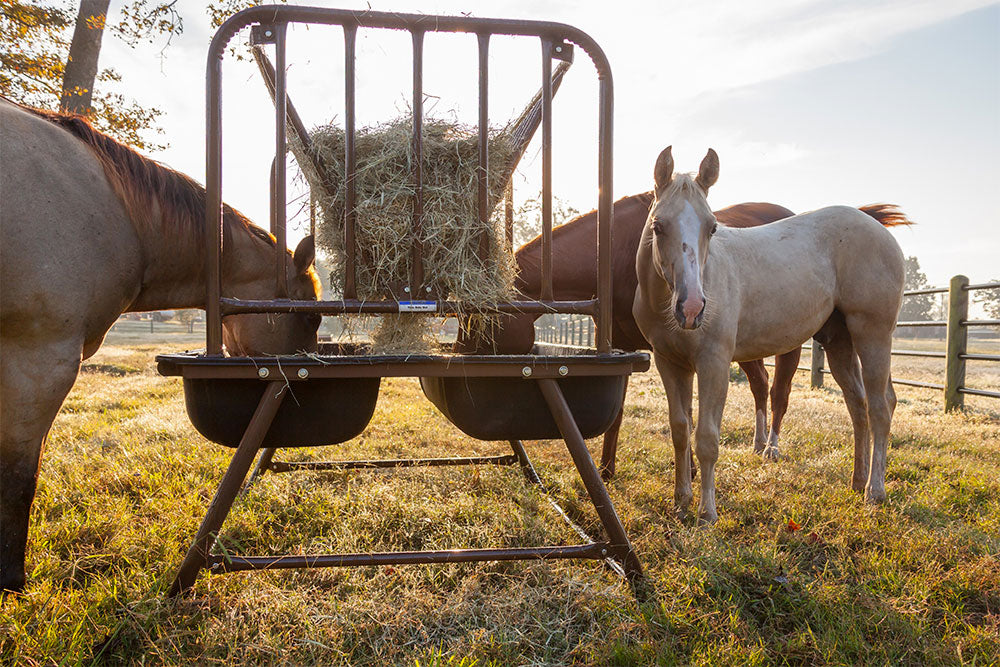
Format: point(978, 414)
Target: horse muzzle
point(690, 312)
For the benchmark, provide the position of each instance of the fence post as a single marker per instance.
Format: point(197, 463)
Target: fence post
point(958, 337)
point(816, 371)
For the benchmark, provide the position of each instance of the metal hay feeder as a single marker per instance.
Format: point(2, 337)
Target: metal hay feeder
point(239, 402)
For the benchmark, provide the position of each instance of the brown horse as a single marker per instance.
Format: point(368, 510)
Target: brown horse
point(708, 295)
point(574, 256)
point(90, 229)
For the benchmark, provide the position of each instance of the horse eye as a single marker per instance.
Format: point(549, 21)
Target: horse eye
point(715, 228)
point(657, 227)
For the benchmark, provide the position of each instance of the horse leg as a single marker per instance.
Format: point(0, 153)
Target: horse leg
point(35, 380)
point(713, 383)
point(874, 351)
point(785, 366)
point(757, 376)
point(844, 366)
point(610, 449)
point(678, 385)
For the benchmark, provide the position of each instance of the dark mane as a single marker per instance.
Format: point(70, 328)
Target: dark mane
point(144, 185)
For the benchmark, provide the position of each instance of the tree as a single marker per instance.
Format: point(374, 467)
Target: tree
point(189, 316)
point(41, 67)
point(528, 218)
point(919, 307)
point(990, 300)
point(80, 70)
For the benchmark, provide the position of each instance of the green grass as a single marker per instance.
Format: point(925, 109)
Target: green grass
point(125, 481)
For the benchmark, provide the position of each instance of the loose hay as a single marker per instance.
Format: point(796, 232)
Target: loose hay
point(450, 229)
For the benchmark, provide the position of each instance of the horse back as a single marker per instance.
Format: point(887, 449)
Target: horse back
point(70, 254)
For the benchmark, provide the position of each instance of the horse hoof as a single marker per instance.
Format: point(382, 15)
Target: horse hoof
point(771, 453)
point(874, 496)
point(706, 518)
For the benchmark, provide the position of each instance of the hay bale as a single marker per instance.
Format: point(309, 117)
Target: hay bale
point(384, 196)
point(451, 227)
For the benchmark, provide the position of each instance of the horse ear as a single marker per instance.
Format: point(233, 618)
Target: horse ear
point(305, 254)
point(708, 172)
point(663, 172)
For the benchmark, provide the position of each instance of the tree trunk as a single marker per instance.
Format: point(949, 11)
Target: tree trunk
point(84, 50)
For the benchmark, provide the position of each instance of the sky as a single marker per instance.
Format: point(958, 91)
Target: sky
point(808, 103)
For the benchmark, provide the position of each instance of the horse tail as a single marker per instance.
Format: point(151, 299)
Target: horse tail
point(887, 214)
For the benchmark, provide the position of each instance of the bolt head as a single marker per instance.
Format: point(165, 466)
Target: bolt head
point(563, 370)
point(526, 371)
point(268, 33)
point(263, 372)
point(303, 373)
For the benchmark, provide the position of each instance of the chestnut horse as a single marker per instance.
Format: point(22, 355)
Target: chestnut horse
point(90, 229)
point(574, 256)
point(709, 295)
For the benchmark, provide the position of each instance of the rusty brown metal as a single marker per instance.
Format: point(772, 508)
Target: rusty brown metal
point(291, 466)
point(350, 163)
point(229, 488)
point(548, 369)
point(279, 195)
point(417, 257)
point(237, 306)
point(221, 564)
point(546, 170)
point(191, 365)
point(482, 174)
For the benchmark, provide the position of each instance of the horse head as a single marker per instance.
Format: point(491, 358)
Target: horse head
point(273, 334)
point(679, 228)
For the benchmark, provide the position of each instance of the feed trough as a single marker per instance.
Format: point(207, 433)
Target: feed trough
point(262, 404)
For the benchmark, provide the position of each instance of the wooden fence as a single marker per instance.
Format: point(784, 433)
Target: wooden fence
point(575, 330)
point(956, 347)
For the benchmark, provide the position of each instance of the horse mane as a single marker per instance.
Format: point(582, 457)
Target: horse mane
point(887, 214)
point(144, 185)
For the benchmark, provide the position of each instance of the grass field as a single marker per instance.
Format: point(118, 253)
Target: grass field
point(125, 481)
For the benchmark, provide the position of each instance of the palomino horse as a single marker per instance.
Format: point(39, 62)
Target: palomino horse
point(709, 295)
point(574, 256)
point(90, 229)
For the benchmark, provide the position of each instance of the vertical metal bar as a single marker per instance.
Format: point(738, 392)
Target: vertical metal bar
point(484, 144)
point(605, 212)
point(350, 164)
point(417, 257)
point(957, 345)
point(229, 487)
point(546, 169)
point(279, 200)
point(213, 205)
point(816, 366)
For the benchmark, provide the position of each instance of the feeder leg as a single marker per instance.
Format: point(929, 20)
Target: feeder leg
point(525, 462)
point(595, 487)
point(263, 464)
point(228, 489)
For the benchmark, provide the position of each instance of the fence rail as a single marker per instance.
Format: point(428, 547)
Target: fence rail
point(956, 346)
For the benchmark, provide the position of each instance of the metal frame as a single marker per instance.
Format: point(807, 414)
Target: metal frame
point(281, 373)
point(556, 40)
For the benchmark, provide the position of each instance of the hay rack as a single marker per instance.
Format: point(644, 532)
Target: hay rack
point(551, 393)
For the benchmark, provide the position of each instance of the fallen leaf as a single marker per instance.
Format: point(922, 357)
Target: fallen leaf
point(792, 526)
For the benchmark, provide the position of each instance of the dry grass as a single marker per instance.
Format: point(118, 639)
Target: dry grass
point(126, 480)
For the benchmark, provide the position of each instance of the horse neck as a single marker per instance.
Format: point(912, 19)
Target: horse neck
point(174, 273)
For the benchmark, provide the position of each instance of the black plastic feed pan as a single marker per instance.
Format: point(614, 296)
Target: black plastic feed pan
point(332, 395)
